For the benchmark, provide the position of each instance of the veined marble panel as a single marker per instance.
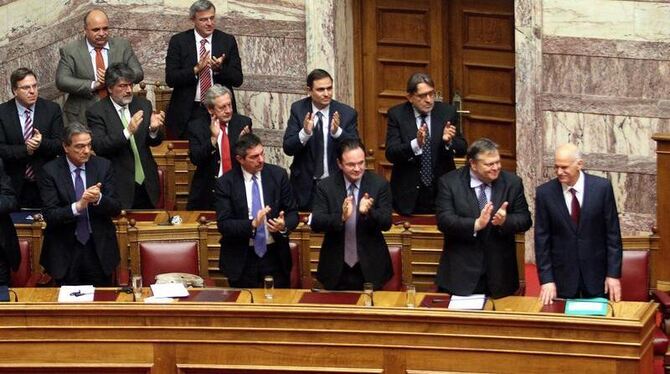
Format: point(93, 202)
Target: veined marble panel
point(320, 35)
point(272, 56)
point(30, 16)
point(269, 110)
point(283, 10)
point(607, 19)
point(626, 106)
point(275, 155)
point(642, 50)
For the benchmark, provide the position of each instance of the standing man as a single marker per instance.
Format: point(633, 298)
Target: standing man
point(82, 65)
point(79, 202)
point(317, 123)
point(30, 135)
point(352, 207)
point(124, 128)
point(255, 214)
point(211, 145)
point(10, 256)
point(480, 208)
point(577, 236)
point(421, 142)
point(195, 60)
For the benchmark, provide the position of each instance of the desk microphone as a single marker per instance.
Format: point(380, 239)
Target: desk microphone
point(370, 295)
point(251, 294)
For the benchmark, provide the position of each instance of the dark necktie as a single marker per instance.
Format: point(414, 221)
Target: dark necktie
point(205, 75)
point(260, 242)
point(481, 198)
point(350, 244)
point(575, 209)
point(224, 147)
point(100, 64)
point(81, 232)
point(27, 134)
point(318, 143)
point(426, 170)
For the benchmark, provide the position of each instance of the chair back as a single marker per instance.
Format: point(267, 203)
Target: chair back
point(395, 283)
point(22, 275)
point(635, 276)
point(158, 257)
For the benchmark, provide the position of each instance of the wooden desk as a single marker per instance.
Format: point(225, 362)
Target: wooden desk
point(126, 337)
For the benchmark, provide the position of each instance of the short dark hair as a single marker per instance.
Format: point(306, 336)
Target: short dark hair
point(479, 146)
point(118, 71)
point(348, 145)
point(200, 6)
point(245, 143)
point(416, 79)
point(74, 128)
point(315, 75)
point(19, 75)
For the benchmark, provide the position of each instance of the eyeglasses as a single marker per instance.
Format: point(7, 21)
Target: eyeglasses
point(27, 88)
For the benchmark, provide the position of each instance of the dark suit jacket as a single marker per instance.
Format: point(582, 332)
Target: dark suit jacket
point(179, 62)
point(109, 142)
point(465, 256)
point(9, 242)
point(304, 156)
point(373, 254)
point(232, 215)
point(76, 72)
point(564, 250)
point(48, 119)
point(57, 191)
point(401, 130)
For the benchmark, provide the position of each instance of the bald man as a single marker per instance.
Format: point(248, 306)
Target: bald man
point(577, 236)
point(83, 62)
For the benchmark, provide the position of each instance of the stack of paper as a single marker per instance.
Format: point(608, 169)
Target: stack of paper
point(472, 302)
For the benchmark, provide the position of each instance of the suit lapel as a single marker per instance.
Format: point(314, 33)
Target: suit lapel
point(216, 44)
point(14, 127)
point(587, 199)
point(472, 196)
point(436, 120)
point(89, 70)
point(67, 179)
point(190, 46)
point(559, 198)
point(497, 188)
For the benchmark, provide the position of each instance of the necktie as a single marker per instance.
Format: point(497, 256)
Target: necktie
point(350, 244)
point(224, 147)
point(318, 143)
point(575, 208)
point(205, 75)
point(139, 172)
point(100, 64)
point(426, 170)
point(260, 242)
point(27, 134)
point(481, 198)
point(81, 232)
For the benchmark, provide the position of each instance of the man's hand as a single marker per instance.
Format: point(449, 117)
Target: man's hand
point(448, 133)
point(260, 216)
point(214, 129)
point(308, 123)
point(135, 121)
point(422, 135)
point(335, 123)
point(548, 293)
point(347, 208)
point(365, 204)
point(613, 288)
point(204, 62)
point(34, 142)
point(484, 216)
point(100, 82)
point(501, 215)
point(277, 224)
point(217, 62)
point(245, 130)
point(157, 120)
point(90, 195)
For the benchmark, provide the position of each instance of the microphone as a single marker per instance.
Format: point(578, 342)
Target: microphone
point(370, 295)
point(247, 290)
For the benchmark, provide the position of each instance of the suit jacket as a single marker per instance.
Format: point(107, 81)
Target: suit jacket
point(48, 119)
point(232, 215)
point(401, 130)
point(207, 158)
point(57, 191)
point(465, 257)
point(564, 250)
point(304, 156)
point(110, 142)
point(75, 73)
point(179, 62)
point(373, 254)
point(9, 242)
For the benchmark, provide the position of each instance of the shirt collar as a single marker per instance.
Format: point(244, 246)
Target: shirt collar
point(347, 183)
point(247, 175)
point(92, 48)
point(118, 107)
point(579, 185)
point(199, 37)
point(418, 114)
point(21, 109)
point(475, 182)
point(74, 167)
point(325, 111)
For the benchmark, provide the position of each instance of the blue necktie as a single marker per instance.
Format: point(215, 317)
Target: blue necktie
point(350, 244)
point(82, 231)
point(481, 198)
point(260, 241)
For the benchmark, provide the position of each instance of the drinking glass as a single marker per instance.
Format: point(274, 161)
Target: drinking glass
point(269, 287)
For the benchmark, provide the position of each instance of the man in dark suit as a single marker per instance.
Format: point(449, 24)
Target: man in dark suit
point(195, 60)
point(211, 145)
point(82, 65)
point(30, 135)
point(79, 202)
point(352, 207)
point(124, 128)
point(255, 214)
point(10, 256)
point(317, 123)
point(421, 142)
point(479, 209)
point(578, 247)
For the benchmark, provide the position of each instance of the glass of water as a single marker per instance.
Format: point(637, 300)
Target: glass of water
point(368, 290)
point(137, 287)
point(269, 287)
point(410, 296)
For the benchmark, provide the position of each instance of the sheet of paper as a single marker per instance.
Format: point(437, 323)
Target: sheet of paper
point(169, 290)
point(592, 307)
point(472, 302)
point(76, 294)
point(158, 300)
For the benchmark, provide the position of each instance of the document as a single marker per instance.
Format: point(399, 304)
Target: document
point(472, 302)
point(586, 307)
point(76, 294)
point(169, 290)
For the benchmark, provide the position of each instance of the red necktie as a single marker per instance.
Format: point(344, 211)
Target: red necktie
point(226, 163)
point(205, 75)
point(575, 208)
point(100, 64)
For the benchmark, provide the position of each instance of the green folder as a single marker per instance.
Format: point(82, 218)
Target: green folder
point(586, 307)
